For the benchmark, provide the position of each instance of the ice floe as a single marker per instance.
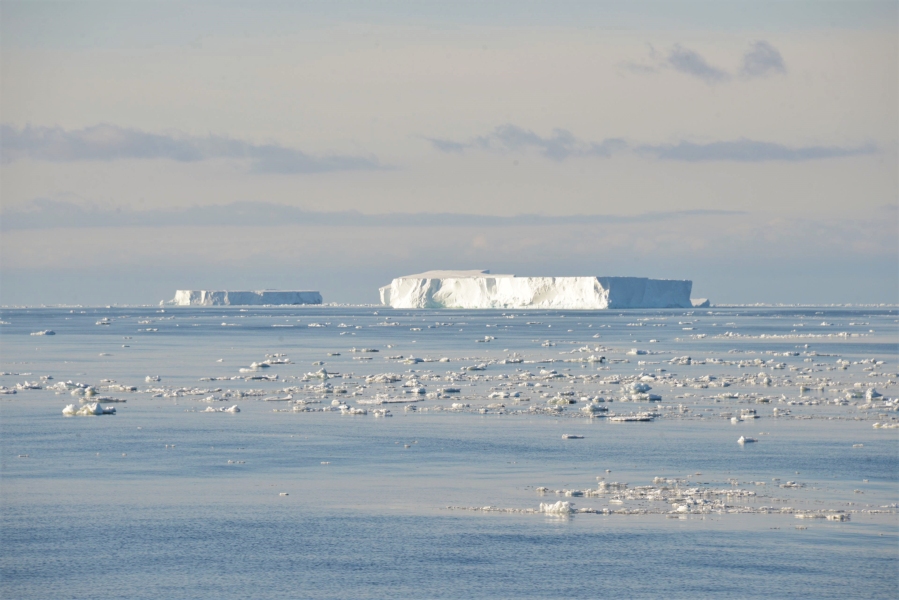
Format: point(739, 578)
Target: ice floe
point(233, 409)
point(557, 508)
point(88, 410)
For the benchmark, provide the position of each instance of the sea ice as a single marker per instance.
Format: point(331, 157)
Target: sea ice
point(630, 418)
point(93, 409)
point(557, 508)
point(638, 387)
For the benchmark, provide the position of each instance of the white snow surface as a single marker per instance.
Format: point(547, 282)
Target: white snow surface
point(220, 298)
point(480, 289)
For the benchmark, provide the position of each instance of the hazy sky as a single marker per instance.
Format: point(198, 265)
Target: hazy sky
point(750, 147)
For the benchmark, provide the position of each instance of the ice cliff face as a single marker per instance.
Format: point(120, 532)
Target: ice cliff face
point(219, 298)
point(480, 289)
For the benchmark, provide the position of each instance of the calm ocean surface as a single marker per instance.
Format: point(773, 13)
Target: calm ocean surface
point(165, 500)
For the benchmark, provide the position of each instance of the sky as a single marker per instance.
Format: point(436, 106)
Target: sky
point(752, 147)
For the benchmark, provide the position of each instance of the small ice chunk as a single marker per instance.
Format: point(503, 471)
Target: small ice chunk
point(233, 409)
point(557, 508)
point(88, 410)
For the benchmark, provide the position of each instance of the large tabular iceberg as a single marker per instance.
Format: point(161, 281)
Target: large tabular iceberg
point(219, 298)
point(480, 289)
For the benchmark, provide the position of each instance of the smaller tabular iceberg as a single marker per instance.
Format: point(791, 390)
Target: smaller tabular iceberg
point(480, 289)
point(223, 298)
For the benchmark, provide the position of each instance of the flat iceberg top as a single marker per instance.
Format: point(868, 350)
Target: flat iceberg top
point(451, 274)
point(480, 289)
point(266, 291)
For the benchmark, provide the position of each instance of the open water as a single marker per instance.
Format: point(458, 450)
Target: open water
point(284, 499)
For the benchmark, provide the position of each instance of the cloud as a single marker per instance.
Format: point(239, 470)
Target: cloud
point(729, 264)
point(109, 142)
point(762, 59)
point(561, 144)
point(750, 151)
point(447, 145)
point(692, 63)
point(47, 213)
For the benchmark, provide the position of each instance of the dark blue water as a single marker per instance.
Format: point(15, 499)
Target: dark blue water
point(100, 507)
point(278, 552)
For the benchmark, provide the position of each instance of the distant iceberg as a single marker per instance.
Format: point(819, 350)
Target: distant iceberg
point(480, 289)
point(222, 298)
